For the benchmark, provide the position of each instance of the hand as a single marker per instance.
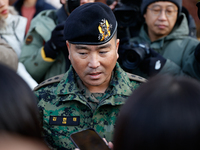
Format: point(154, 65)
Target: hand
point(197, 53)
point(56, 42)
point(112, 6)
point(153, 63)
point(110, 144)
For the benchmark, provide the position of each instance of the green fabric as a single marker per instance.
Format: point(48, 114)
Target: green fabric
point(40, 30)
point(178, 48)
point(66, 99)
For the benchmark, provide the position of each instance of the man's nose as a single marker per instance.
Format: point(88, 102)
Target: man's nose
point(94, 61)
point(162, 15)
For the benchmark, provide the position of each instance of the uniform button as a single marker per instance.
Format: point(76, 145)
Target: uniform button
point(36, 64)
point(56, 78)
point(42, 83)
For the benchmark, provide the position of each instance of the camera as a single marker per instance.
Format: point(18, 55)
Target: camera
point(133, 55)
point(127, 12)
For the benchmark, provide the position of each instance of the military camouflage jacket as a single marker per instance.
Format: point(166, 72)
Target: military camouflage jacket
point(64, 109)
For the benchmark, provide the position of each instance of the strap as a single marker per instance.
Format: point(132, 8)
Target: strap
point(136, 77)
point(51, 80)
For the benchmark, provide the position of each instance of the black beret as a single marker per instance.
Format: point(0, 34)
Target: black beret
point(90, 24)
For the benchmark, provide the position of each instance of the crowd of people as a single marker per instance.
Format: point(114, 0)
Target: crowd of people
point(72, 67)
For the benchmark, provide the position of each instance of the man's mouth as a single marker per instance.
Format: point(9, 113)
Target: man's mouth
point(95, 75)
point(161, 26)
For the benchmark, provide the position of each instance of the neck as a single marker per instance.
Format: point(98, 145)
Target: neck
point(97, 89)
point(29, 3)
point(154, 37)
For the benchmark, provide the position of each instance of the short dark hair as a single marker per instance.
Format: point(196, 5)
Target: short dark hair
point(18, 105)
point(162, 114)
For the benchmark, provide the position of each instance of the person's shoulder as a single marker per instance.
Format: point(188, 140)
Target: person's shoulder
point(48, 6)
point(43, 24)
point(189, 42)
point(191, 39)
point(136, 78)
point(53, 80)
point(45, 14)
point(7, 55)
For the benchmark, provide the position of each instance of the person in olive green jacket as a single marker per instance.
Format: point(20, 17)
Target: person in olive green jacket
point(91, 92)
point(165, 31)
point(44, 52)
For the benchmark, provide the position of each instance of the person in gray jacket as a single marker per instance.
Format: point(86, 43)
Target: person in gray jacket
point(170, 50)
point(8, 56)
point(44, 51)
point(12, 31)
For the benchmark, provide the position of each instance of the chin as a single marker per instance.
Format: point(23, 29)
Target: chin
point(95, 83)
point(161, 34)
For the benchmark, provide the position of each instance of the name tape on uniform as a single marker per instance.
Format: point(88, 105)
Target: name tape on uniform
point(64, 120)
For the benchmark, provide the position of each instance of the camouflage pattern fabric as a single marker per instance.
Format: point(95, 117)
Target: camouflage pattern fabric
point(65, 110)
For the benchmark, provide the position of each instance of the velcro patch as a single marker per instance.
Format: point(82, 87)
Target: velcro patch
point(29, 39)
point(64, 120)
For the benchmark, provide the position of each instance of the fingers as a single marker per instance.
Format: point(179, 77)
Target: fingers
point(110, 144)
point(112, 6)
point(105, 141)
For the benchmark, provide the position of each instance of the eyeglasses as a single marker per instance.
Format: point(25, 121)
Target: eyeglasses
point(169, 11)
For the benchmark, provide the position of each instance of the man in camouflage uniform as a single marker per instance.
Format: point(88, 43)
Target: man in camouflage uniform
point(91, 92)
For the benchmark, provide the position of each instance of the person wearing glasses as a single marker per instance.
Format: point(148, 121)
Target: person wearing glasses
point(165, 31)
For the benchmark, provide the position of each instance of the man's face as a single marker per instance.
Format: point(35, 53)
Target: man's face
point(4, 9)
point(68, 10)
point(86, 1)
point(94, 63)
point(81, 1)
point(160, 18)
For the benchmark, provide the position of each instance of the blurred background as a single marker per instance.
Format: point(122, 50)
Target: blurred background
point(190, 5)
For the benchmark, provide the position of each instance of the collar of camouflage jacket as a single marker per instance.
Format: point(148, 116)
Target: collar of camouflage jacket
point(67, 89)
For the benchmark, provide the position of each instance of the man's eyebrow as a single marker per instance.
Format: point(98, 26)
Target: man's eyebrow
point(171, 5)
point(103, 46)
point(81, 47)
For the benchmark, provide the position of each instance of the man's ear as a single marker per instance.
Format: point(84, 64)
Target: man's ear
point(68, 48)
point(145, 15)
point(117, 47)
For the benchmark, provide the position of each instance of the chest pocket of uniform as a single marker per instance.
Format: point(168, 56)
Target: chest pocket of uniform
point(64, 120)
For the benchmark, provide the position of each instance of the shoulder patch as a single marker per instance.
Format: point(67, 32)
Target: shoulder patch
point(49, 81)
point(136, 77)
point(29, 40)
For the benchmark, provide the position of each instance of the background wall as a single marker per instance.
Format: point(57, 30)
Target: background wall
point(192, 8)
